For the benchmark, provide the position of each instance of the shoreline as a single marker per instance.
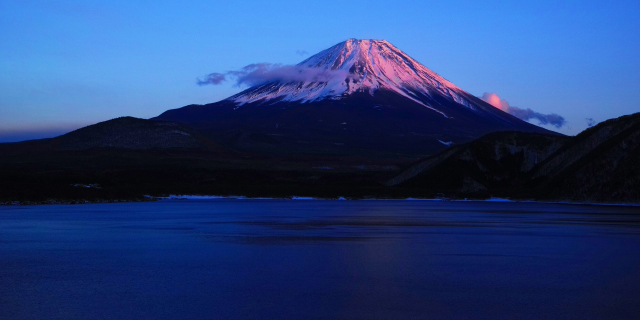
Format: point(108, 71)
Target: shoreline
point(492, 199)
point(181, 197)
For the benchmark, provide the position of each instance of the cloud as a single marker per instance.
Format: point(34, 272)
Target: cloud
point(524, 114)
point(591, 122)
point(261, 73)
point(212, 78)
point(302, 52)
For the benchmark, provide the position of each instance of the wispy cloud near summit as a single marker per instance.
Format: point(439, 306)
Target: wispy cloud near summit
point(212, 78)
point(263, 72)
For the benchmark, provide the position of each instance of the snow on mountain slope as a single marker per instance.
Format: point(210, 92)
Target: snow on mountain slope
point(368, 66)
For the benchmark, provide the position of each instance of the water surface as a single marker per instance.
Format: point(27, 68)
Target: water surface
point(315, 259)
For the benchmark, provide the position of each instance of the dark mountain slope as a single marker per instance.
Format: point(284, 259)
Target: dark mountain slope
point(356, 125)
point(127, 158)
point(600, 164)
point(495, 164)
point(120, 133)
point(131, 133)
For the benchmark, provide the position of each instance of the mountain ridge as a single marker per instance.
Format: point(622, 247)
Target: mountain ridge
point(601, 164)
point(500, 164)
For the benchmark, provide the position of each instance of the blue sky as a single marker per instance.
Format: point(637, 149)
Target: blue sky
point(66, 64)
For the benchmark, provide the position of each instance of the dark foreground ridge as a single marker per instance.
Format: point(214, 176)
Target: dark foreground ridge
point(128, 158)
point(601, 164)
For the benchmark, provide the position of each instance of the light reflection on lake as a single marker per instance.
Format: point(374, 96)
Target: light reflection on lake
point(315, 259)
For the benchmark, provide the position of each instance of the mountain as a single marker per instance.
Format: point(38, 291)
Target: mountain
point(128, 158)
point(121, 133)
point(494, 164)
point(601, 164)
point(132, 133)
point(359, 97)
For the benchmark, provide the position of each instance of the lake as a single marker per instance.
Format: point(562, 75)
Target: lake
point(319, 259)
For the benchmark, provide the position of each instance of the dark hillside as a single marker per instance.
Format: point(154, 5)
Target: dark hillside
point(493, 165)
point(600, 164)
point(119, 133)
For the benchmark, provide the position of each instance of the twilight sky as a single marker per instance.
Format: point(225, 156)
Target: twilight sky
point(65, 64)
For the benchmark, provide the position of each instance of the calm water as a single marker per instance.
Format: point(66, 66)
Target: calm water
point(308, 259)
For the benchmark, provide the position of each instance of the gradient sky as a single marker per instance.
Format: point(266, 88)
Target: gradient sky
point(66, 64)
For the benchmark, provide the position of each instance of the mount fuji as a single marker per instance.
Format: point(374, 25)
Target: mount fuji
point(359, 97)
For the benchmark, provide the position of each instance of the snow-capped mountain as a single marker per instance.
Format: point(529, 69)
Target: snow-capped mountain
point(364, 95)
point(367, 65)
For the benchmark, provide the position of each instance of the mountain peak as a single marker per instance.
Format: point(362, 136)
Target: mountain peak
point(354, 40)
point(376, 62)
point(357, 65)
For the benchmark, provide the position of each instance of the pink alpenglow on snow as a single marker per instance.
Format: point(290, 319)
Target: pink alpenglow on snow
point(354, 66)
point(524, 114)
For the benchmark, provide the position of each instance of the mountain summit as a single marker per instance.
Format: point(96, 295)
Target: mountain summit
point(366, 65)
point(363, 97)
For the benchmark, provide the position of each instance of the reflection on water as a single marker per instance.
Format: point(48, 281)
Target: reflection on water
point(279, 259)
